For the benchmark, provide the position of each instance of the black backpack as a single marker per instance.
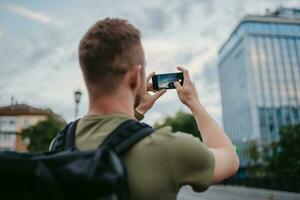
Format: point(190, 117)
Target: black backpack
point(66, 173)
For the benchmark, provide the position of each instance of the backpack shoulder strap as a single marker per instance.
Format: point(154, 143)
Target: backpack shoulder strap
point(65, 138)
point(120, 139)
point(126, 135)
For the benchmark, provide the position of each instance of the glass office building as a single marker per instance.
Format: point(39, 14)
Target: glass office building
point(259, 71)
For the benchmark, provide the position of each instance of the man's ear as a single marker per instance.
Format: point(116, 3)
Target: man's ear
point(135, 77)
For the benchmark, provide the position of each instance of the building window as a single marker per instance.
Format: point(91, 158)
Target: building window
point(7, 137)
point(6, 149)
point(9, 123)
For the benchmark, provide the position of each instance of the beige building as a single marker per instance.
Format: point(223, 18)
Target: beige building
point(15, 118)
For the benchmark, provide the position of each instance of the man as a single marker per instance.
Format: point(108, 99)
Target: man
point(112, 61)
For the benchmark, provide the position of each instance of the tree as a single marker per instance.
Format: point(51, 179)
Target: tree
point(41, 134)
point(254, 168)
point(182, 121)
point(252, 151)
point(286, 153)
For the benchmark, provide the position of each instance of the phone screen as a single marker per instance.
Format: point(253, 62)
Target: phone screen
point(166, 81)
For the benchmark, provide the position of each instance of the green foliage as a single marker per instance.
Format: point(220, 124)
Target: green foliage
point(252, 151)
point(255, 168)
point(183, 122)
point(283, 162)
point(286, 159)
point(41, 134)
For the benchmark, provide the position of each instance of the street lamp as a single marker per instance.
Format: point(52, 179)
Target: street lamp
point(77, 95)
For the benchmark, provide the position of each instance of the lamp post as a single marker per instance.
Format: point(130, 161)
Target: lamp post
point(77, 96)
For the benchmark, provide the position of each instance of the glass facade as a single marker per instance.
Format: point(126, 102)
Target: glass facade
point(259, 70)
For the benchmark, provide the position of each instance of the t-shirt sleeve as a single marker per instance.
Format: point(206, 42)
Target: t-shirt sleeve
point(192, 163)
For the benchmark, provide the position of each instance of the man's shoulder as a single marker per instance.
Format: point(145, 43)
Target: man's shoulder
point(176, 144)
point(161, 134)
point(167, 138)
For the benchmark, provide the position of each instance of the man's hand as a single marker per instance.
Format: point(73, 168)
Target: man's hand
point(148, 100)
point(187, 93)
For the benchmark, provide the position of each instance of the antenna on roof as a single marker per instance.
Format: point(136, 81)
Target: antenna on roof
point(12, 99)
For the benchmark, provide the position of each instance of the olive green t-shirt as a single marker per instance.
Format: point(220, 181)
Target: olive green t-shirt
point(159, 164)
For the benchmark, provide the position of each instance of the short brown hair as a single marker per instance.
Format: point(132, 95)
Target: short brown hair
point(108, 49)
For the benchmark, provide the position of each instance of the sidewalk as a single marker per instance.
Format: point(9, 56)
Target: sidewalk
point(236, 193)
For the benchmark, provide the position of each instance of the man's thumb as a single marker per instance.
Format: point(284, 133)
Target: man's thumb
point(177, 86)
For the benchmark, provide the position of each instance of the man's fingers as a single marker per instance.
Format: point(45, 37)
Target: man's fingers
point(159, 94)
point(186, 74)
point(150, 87)
point(178, 86)
point(150, 76)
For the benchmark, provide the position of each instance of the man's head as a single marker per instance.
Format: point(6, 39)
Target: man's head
point(110, 50)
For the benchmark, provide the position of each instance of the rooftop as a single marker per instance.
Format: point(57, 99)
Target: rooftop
point(23, 109)
point(280, 15)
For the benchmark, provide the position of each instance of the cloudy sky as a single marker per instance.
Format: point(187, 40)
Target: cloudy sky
point(39, 40)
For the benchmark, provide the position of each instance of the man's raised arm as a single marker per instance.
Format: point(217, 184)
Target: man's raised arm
point(226, 159)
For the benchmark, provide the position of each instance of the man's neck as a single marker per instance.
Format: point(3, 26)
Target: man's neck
point(111, 104)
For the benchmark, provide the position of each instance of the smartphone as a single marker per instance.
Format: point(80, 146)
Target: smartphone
point(166, 81)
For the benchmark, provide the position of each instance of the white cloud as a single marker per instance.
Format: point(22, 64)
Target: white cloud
point(186, 33)
point(29, 13)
